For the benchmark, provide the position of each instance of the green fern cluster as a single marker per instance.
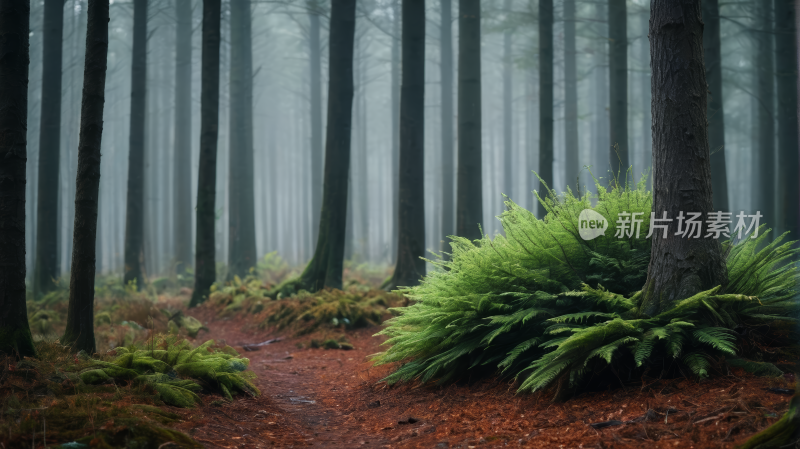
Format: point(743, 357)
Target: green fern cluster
point(176, 371)
point(545, 306)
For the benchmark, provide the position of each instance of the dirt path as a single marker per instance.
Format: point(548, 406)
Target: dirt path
point(333, 398)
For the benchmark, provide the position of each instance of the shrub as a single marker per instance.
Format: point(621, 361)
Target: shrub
point(546, 307)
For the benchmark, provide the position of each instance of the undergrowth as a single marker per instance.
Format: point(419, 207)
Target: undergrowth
point(547, 308)
point(112, 400)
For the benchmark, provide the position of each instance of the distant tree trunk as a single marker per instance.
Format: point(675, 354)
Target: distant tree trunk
point(788, 160)
point(765, 152)
point(183, 135)
point(508, 146)
point(241, 201)
point(618, 82)
point(545, 98)
point(570, 94)
point(446, 73)
point(205, 267)
point(395, 79)
point(134, 216)
point(46, 269)
point(325, 268)
point(80, 316)
point(15, 334)
point(411, 237)
point(315, 68)
point(680, 267)
point(716, 118)
point(469, 201)
point(647, 121)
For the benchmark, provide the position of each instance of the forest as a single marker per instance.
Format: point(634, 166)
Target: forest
point(399, 223)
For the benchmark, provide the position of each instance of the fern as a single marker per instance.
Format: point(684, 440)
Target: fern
point(540, 303)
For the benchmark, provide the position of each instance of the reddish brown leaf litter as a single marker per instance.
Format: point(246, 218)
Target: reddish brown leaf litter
point(334, 398)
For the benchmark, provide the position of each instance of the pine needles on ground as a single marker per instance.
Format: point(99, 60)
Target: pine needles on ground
point(546, 307)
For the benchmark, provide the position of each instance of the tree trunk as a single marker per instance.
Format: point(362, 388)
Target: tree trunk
point(545, 98)
point(395, 79)
point(80, 316)
point(205, 267)
point(46, 270)
point(572, 165)
point(508, 146)
point(15, 334)
point(618, 86)
point(680, 267)
point(183, 136)
point(469, 201)
point(325, 268)
point(411, 236)
point(788, 162)
point(765, 79)
point(716, 118)
point(646, 94)
point(315, 68)
point(134, 216)
point(446, 73)
point(241, 202)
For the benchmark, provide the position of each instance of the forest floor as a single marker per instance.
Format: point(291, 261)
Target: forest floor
point(334, 398)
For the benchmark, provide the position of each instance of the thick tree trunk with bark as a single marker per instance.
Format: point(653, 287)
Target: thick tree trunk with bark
point(788, 159)
point(46, 269)
point(570, 95)
point(134, 216)
point(765, 79)
point(680, 266)
point(205, 267)
point(716, 118)
point(410, 267)
point(325, 268)
point(469, 201)
point(508, 146)
point(446, 74)
point(315, 77)
point(545, 98)
point(618, 86)
point(183, 136)
point(15, 334)
point(241, 201)
point(79, 333)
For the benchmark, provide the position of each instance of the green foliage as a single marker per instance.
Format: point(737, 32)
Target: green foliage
point(351, 309)
point(544, 306)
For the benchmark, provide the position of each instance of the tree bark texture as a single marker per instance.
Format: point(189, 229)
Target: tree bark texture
point(205, 266)
point(716, 117)
point(545, 98)
point(241, 199)
point(15, 334)
point(469, 201)
point(183, 136)
point(134, 216)
point(46, 268)
point(618, 86)
point(680, 267)
point(325, 268)
point(79, 333)
point(410, 267)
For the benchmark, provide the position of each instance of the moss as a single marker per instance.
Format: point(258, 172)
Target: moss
point(95, 376)
point(17, 340)
point(781, 434)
